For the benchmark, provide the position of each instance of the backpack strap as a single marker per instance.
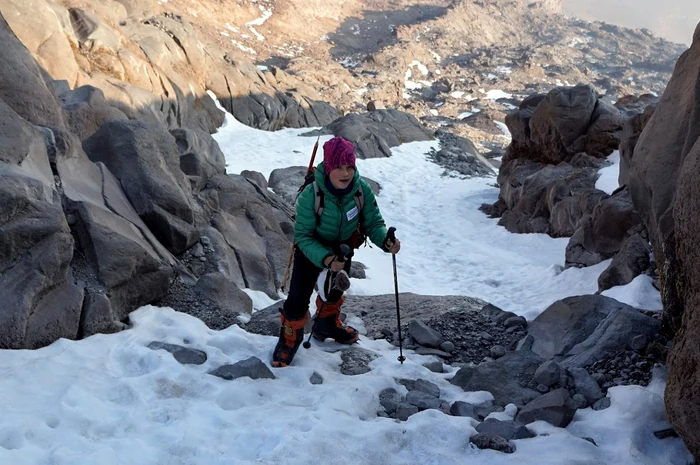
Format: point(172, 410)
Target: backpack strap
point(359, 200)
point(318, 202)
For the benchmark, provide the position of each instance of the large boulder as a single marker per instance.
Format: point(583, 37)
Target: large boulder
point(22, 84)
point(600, 235)
point(509, 379)
point(85, 109)
point(663, 183)
point(248, 225)
point(568, 120)
point(577, 331)
point(41, 302)
point(375, 132)
point(129, 264)
point(145, 160)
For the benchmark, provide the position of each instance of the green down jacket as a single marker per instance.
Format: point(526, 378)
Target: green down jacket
point(338, 220)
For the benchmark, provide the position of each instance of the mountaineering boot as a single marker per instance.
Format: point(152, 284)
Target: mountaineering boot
point(328, 324)
point(291, 335)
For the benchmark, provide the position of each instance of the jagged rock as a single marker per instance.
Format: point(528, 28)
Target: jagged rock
point(376, 132)
point(506, 429)
point(602, 404)
point(548, 373)
point(252, 367)
point(184, 355)
point(581, 330)
point(355, 361)
point(22, 85)
point(421, 385)
point(216, 287)
point(422, 400)
point(128, 262)
point(631, 261)
point(435, 367)
point(41, 302)
point(97, 316)
point(200, 156)
point(600, 235)
point(316, 378)
point(586, 385)
point(423, 334)
point(145, 159)
point(464, 409)
point(555, 407)
point(503, 378)
point(489, 441)
point(405, 410)
point(390, 400)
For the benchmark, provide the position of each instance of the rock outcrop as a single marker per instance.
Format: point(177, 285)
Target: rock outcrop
point(664, 189)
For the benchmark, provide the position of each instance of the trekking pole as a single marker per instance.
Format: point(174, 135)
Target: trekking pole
point(291, 251)
point(344, 252)
point(392, 237)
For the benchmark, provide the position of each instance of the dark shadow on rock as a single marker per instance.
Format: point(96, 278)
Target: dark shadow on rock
point(377, 29)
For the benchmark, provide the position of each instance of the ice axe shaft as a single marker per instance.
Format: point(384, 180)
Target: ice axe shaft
point(291, 250)
point(392, 237)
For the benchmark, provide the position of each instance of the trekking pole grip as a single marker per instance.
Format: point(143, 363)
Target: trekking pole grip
point(344, 252)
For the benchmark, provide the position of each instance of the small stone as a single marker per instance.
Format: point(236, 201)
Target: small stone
point(198, 250)
point(579, 401)
point(316, 378)
point(489, 441)
point(70, 219)
point(602, 404)
point(447, 346)
point(518, 321)
point(542, 388)
point(639, 342)
point(486, 336)
point(435, 367)
point(666, 433)
point(206, 242)
point(405, 410)
point(599, 378)
point(497, 352)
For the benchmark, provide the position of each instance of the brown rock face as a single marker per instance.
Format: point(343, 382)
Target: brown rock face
point(664, 188)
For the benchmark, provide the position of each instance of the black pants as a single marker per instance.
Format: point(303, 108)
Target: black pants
point(304, 276)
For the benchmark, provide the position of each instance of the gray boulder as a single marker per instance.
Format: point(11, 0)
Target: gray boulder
point(506, 429)
point(600, 235)
point(423, 334)
point(85, 109)
point(374, 133)
point(200, 156)
point(490, 441)
point(555, 407)
point(145, 160)
point(503, 378)
point(184, 355)
point(252, 367)
point(632, 260)
point(217, 288)
point(41, 302)
point(577, 331)
point(127, 260)
point(22, 83)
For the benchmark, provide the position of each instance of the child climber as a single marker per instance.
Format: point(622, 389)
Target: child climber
point(318, 254)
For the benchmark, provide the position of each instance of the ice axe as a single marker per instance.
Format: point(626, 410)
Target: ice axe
point(344, 252)
point(392, 237)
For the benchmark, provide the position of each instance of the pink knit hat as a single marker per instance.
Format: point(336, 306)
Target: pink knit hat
point(338, 152)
